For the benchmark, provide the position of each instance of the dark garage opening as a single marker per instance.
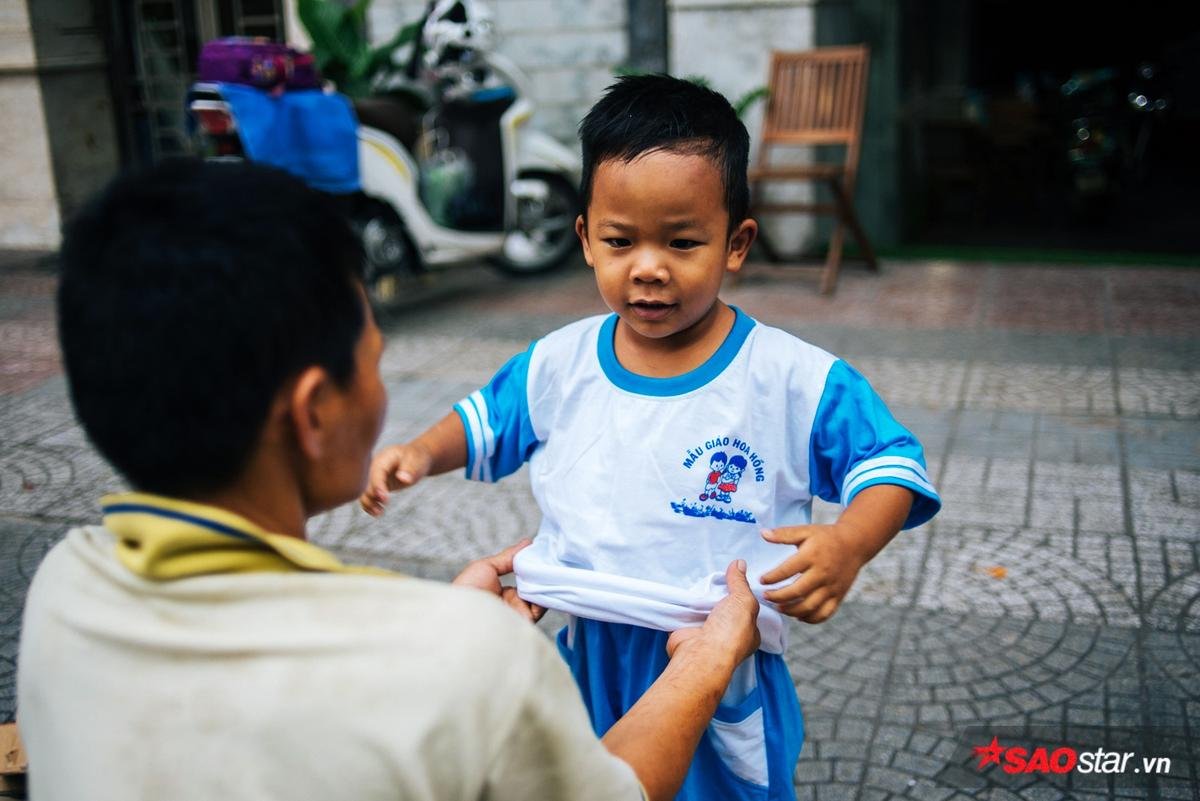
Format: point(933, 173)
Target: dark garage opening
point(1051, 125)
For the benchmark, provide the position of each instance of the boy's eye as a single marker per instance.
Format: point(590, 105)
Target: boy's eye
point(685, 244)
point(616, 242)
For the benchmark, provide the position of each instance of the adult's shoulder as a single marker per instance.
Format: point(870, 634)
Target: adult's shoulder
point(317, 613)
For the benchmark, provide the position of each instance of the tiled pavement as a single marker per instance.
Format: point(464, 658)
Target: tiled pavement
point(1055, 601)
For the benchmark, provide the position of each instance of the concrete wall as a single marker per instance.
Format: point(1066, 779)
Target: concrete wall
point(80, 120)
point(29, 216)
point(879, 196)
point(297, 37)
point(729, 42)
point(568, 48)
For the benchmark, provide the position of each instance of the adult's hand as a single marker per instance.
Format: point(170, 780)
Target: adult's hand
point(731, 628)
point(484, 574)
point(658, 736)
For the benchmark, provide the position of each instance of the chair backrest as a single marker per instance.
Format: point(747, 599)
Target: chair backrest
point(817, 97)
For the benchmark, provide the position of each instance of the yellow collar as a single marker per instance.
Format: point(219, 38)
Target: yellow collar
point(163, 538)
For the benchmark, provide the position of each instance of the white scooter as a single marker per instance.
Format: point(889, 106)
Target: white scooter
point(488, 187)
point(534, 178)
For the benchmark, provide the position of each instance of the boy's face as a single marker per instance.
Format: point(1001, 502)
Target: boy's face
point(658, 239)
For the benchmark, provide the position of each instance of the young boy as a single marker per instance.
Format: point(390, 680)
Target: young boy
point(662, 386)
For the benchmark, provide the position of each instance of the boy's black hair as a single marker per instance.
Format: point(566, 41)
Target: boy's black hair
point(643, 113)
point(189, 294)
point(718, 455)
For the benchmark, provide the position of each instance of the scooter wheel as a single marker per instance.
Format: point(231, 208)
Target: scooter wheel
point(390, 254)
point(545, 232)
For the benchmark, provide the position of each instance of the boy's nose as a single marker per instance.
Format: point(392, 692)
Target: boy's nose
point(650, 267)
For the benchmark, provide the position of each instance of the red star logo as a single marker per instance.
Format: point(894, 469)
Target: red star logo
point(989, 754)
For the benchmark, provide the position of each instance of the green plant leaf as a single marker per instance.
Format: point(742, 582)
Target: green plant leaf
point(341, 48)
point(325, 23)
point(359, 11)
point(381, 57)
point(360, 66)
point(743, 103)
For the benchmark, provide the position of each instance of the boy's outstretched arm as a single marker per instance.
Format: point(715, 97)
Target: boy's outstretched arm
point(443, 447)
point(828, 558)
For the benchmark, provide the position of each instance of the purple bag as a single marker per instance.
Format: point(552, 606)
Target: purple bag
point(304, 72)
point(258, 62)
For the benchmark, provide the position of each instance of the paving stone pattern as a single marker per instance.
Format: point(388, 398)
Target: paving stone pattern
point(1055, 600)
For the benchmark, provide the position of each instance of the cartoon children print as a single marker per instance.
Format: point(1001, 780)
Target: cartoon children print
point(716, 466)
point(730, 459)
point(731, 477)
point(723, 477)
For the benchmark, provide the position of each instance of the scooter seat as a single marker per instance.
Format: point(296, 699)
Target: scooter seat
point(398, 115)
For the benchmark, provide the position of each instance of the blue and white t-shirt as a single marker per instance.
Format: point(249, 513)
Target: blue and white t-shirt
point(650, 487)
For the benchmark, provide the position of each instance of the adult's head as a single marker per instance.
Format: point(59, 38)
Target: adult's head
point(196, 301)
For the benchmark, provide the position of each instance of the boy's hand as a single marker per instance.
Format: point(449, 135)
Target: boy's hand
point(827, 560)
point(393, 468)
point(484, 574)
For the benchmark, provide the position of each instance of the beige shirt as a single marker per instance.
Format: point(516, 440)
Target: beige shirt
point(292, 686)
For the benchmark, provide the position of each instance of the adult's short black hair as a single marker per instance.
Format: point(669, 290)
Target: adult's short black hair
point(642, 113)
point(190, 293)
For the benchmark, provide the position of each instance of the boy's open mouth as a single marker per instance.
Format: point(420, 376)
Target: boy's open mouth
point(651, 309)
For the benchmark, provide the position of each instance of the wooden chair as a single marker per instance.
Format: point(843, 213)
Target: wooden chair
point(817, 97)
point(13, 763)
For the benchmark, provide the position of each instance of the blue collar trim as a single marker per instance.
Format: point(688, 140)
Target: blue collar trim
point(171, 514)
point(677, 384)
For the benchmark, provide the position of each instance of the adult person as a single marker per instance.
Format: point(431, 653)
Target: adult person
point(221, 354)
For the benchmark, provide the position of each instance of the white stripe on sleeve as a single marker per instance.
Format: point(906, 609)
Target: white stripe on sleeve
point(489, 436)
point(475, 432)
point(881, 471)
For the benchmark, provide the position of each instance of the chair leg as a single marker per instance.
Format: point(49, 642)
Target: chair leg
point(833, 261)
point(769, 250)
point(847, 215)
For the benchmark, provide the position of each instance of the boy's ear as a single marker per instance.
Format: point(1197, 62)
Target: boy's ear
point(581, 232)
point(739, 244)
point(309, 411)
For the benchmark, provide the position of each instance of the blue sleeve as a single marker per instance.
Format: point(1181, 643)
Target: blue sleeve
point(500, 434)
point(857, 443)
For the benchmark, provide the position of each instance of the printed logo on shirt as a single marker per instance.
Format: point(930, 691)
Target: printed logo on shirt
point(726, 462)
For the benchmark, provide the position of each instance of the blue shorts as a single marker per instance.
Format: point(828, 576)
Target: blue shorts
point(749, 751)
